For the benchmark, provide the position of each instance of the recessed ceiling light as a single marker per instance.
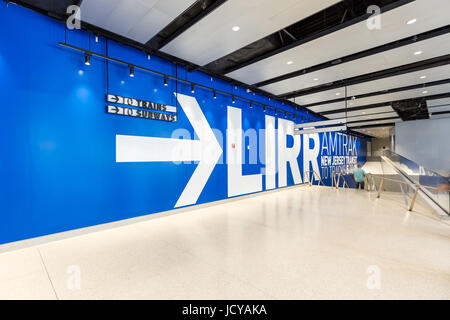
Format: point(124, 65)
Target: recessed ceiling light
point(417, 53)
point(290, 62)
point(363, 113)
point(423, 77)
point(424, 92)
point(315, 79)
point(338, 93)
point(412, 21)
point(236, 28)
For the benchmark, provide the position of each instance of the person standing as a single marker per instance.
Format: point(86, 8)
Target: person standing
point(358, 175)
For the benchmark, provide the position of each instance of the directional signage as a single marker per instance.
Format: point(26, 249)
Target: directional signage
point(206, 150)
point(113, 98)
point(141, 113)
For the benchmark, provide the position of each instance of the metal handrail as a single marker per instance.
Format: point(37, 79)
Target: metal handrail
point(415, 186)
point(314, 174)
point(335, 183)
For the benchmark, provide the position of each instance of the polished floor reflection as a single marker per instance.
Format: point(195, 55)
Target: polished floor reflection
point(299, 243)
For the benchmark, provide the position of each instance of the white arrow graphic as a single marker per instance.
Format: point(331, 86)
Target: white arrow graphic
point(206, 150)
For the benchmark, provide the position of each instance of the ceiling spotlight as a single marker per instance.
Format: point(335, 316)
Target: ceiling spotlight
point(276, 112)
point(264, 109)
point(233, 100)
point(192, 88)
point(423, 77)
point(316, 79)
point(87, 60)
point(251, 105)
point(148, 56)
point(285, 115)
point(131, 72)
point(290, 62)
point(215, 95)
point(248, 90)
point(338, 93)
point(236, 28)
point(165, 82)
point(417, 53)
point(412, 21)
point(212, 79)
point(96, 38)
point(425, 92)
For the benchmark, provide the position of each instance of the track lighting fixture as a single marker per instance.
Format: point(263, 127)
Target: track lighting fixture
point(192, 88)
point(215, 95)
point(251, 105)
point(131, 72)
point(233, 100)
point(165, 82)
point(87, 60)
point(264, 109)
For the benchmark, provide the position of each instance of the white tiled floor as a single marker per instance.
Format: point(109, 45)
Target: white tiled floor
point(299, 243)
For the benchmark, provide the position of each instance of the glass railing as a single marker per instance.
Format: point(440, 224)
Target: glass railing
point(429, 180)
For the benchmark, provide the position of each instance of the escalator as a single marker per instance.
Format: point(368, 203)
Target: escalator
point(426, 179)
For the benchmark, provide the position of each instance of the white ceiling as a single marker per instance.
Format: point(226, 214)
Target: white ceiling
point(431, 48)
point(212, 37)
point(378, 132)
point(138, 20)
point(438, 102)
point(439, 109)
point(370, 123)
point(430, 14)
point(378, 110)
point(384, 98)
point(404, 80)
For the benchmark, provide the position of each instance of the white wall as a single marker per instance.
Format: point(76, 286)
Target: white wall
point(426, 142)
point(379, 145)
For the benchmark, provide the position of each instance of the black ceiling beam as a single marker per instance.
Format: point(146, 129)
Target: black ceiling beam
point(359, 55)
point(377, 93)
point(376, 105)
point(373, 120)
point(439, 113)
point(320, 34)
point(408, 68)
point(159, 41)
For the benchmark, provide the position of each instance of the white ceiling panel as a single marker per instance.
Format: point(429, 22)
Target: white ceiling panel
point(212, 37)
point(373, 116)
point(355, 38)
point(430, 48)
point(382, 98)
point(379, 110)
point(404, 80)
point(138, 20)
point(370, 123)
point(440, 116)
point(438, 102)
point(439, 109)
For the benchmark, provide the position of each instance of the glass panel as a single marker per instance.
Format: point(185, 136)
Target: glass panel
point(427, 178)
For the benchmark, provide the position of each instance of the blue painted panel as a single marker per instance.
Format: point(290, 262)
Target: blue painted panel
point(58, 170)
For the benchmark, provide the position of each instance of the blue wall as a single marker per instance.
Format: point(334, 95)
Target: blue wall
point(57, 164)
